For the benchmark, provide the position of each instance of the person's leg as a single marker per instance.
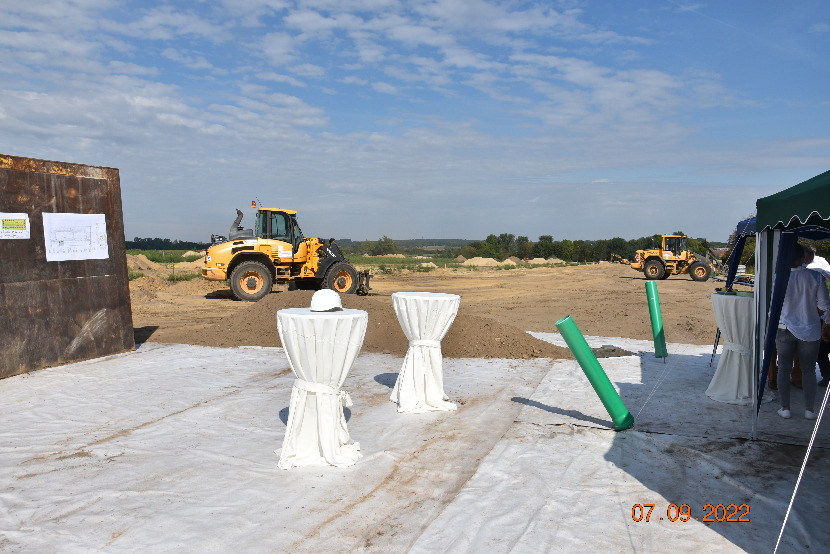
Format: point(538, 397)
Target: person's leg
point(808, 352)
point(786, 343)
point(795, 374)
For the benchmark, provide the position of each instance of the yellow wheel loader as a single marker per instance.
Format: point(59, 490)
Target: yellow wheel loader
point(672, 258)
point(276, 251)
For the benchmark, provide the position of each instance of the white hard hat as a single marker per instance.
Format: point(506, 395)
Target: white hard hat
point(325, 300)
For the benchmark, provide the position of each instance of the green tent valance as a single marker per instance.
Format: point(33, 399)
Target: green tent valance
point(807, 203)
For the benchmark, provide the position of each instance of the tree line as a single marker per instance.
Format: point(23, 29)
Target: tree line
point(163, 244)
point(506, 245)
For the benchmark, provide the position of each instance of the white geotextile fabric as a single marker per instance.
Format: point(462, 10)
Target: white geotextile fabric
point(166, 449)
point(425, 318)
point(732, 382)
point(321, 349)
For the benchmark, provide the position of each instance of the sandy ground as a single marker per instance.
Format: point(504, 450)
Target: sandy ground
point(498, 308)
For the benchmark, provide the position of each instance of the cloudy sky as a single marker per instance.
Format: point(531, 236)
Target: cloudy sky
point(425, 118)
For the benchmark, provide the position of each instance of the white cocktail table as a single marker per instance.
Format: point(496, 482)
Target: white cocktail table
point(321, 349)
point(425, 318)
point(735, 315)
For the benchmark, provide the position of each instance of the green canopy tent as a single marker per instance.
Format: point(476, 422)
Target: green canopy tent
point(799, 211)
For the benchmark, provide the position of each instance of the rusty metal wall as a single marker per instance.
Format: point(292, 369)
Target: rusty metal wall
point(56, 312)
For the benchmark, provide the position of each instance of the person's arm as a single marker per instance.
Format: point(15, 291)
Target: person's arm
point(823, 299)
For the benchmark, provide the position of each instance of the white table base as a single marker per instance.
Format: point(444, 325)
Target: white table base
point(425, 319)
point(321, 348)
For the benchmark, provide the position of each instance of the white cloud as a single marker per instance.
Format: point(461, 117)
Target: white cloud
point(166, 23)
point(308, 70)
point(385, 88)
point(279, 48)
point(278, 78)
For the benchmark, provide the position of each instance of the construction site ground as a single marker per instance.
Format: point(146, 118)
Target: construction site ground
point(498, 308)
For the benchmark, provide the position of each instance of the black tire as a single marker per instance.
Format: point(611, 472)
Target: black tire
point(251, 281)
point(341, 277)
point(700, 271)
point(666, 275)
point(653, 270)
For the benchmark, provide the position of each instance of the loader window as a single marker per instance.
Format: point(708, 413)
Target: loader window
point(675, 245)
point(273, 225)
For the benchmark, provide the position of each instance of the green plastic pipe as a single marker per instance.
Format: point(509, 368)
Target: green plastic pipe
point(656, 320)
point(620, 415)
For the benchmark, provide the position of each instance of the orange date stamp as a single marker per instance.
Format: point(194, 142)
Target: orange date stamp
point(683, 512)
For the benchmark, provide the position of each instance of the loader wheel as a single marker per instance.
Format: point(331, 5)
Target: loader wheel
point(251, 281)
point(342, 278)
point(700, 271)
point(653, 269)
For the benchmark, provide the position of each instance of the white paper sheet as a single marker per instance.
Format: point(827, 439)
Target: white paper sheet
point(75, 237)
point(14, 225)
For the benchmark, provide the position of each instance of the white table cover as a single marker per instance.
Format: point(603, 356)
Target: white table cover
point(735, 315)
point(425, 318)
point(321, 349)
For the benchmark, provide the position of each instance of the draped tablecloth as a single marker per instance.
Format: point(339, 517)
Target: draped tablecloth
point(321, 349)
point(735, 315)
point(425, 318)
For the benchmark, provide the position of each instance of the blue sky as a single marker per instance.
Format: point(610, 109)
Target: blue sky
point(434, 119)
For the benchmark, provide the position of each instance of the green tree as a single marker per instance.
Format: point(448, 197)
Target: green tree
point(564, 250)
point(524, 248)
point(384, 246)
point(489, 248)
point(582, 251)
point(507, 244)
point(469, 251)
point(620, 247)
point(543, 248)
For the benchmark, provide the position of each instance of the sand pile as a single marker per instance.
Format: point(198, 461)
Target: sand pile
point(470, 336)
point(141, 263)
point(481, 262)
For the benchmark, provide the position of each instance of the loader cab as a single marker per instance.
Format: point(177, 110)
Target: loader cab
point(273, 224)
point(279, 225)
point(674, 244)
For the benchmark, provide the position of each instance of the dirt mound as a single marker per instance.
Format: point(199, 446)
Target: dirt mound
point(195, 264)
point(481, 262)
point(255, 324)
point(141, 263)
point(539, 261)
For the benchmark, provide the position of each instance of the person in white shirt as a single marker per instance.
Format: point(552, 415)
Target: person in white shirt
point(800, 330)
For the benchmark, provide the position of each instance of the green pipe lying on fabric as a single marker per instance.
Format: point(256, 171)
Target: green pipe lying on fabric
point(620, 415)
point(656, 320)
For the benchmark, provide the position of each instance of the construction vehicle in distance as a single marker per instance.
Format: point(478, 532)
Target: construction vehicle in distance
point(672, 258)
point(277, 252)
point(617, 259)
